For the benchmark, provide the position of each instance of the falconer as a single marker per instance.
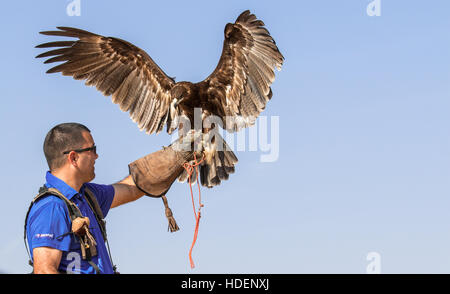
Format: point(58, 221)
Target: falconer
point(64, 227)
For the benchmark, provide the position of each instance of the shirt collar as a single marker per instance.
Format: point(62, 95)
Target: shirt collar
point(60, 185)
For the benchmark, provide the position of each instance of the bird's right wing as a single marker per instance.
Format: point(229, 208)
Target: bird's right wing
point(116, 68)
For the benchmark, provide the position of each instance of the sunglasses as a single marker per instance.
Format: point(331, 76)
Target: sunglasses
point(93, 148)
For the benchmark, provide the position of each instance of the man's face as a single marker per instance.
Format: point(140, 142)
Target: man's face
point(86, 160)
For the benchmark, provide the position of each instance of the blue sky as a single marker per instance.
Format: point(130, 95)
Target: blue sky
point(364, 158)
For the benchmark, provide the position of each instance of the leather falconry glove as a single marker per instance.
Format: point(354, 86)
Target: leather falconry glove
point(155, 172)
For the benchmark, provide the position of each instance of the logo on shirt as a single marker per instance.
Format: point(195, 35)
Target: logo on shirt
point(48, 236)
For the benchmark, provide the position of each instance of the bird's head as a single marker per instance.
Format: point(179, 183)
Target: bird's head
point(180, 91)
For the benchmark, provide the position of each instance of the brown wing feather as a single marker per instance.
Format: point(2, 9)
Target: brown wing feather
point(242, 79)
point(117, 68)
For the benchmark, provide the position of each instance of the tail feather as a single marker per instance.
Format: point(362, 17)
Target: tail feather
point(229, 161)
point(211, 178)
point(219, 167)
point(220, 170)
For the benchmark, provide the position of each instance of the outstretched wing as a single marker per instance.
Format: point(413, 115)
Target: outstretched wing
point(242, 79)
point(117, 68)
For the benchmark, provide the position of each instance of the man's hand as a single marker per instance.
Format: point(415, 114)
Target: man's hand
point(46, 260)
point(155, 173)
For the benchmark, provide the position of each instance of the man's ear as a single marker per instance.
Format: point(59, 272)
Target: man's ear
point(73, 158)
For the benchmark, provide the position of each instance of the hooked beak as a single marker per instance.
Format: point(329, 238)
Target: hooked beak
point(178, 101)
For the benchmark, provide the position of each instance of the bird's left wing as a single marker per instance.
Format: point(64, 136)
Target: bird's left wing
point(116, 68)
point(240, 84)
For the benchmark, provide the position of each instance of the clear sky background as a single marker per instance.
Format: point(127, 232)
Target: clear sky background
point(364, 161)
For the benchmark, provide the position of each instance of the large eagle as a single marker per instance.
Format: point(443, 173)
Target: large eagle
point(238, 88)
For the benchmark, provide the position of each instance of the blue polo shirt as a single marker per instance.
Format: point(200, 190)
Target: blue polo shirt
point(49, 219)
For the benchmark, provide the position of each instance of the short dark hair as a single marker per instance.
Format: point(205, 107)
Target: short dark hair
point(60, 138)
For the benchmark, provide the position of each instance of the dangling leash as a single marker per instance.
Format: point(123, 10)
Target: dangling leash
point(190, 169)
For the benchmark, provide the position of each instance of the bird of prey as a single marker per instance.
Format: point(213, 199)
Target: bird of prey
point(238, 88)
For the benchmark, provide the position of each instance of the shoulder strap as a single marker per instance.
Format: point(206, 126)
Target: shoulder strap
point(73, 210)
point(93, 202)
point(95, 207)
